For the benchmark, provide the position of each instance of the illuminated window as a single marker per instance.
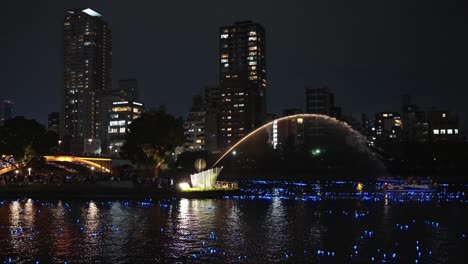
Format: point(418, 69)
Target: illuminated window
point(229, 129)
point(198, 141)
point(224, 36)
point(224, 55)
point(122, 109)
point(229, 117)
point(252, 62)
point(122, 130)
point(252, 48)
point(224, 60)
point(253, 68)
point(252, 38)
point(226, 65)
point(442, 132)
point(114, 116)
point(450, 131)
point(253, 78)
point(253, 73)
point(251, 58)
point(252, 53)
point(252, 33)
point(300, 120)
point(443, 114)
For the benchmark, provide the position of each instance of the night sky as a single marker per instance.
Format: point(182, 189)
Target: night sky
point(368, 52)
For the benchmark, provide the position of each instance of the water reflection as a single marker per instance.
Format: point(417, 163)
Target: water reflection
point(248, 229)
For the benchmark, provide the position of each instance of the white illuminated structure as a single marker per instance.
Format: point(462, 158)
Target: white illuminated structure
point(205, 179)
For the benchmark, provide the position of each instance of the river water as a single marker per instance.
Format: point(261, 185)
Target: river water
point(277, 222)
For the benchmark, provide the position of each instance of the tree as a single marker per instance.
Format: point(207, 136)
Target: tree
point(150, 137)
point(24, 140)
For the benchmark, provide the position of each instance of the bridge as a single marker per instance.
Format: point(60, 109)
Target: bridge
point(102, 164)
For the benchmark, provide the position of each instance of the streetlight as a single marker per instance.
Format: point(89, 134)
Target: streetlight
point(110, 149)
point(29, 171)
point(59, 142)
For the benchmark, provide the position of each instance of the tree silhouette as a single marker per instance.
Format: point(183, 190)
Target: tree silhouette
point(150, 137)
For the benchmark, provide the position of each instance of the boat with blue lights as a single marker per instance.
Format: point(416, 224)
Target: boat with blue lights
point(409, 185)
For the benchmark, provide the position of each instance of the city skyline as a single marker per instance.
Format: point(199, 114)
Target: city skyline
point(391, 51)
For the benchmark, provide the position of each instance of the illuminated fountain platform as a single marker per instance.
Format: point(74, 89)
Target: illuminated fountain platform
point(206, 181)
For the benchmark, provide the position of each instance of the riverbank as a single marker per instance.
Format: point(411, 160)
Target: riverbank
point(103, 190)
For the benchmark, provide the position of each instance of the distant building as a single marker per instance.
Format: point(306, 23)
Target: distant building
point(194, 126)
point(243, 80)
point(128, 89)
point(53, 122)
point(6, 111)
point(289, 133)
point(388, 126)
point(444, 125)
point(121, 116)
point(212, 112)
point(319, 101)
point(322, 101)
point(87, 65)
point(415, 126)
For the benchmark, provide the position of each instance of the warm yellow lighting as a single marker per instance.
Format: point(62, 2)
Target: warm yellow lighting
point(300, 120)
point(184, 186)
point(360, 187)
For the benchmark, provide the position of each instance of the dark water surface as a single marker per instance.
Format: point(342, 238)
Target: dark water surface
point(267, 225)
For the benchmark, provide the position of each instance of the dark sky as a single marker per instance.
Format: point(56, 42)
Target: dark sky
point(368, 52)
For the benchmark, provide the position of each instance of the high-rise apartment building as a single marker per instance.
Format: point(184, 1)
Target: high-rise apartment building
point(194, 126)
point(6, 111)
point(243, 80)
point(87, 64)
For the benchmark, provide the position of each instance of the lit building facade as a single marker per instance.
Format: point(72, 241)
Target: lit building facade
point(194, 126)
point(289, 133)
point(87, 63)
point(243, 80)
point(388, 126)
point(444, 125)
point(121, 116)
point(6, 111)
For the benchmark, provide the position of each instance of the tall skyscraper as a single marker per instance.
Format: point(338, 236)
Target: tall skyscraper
point(87, 64)
point(243, 80)
point(6, 111)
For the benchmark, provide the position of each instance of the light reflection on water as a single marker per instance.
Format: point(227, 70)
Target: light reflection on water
point(250, 230)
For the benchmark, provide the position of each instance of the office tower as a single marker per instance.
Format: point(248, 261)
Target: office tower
point(6, 111)
point(212, 109)
point(87, 63)
point(194, 126)
point(319, 101)
point(53, 122)
point(242, 80)
point(121, 116)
